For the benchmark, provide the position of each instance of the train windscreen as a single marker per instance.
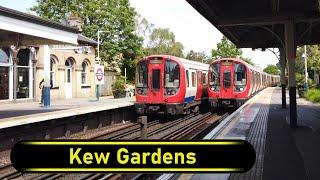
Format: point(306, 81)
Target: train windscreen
point(172, 74)
point(142, 75)
point(215, 77)
point(240, 78)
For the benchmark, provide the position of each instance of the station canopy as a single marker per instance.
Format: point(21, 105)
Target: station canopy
point(260, 23)
point(17, 28)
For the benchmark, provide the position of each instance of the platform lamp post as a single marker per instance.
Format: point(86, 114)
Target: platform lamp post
point(98, 61)
point(306, 86)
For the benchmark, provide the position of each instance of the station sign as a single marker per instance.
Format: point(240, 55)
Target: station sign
point(99, 74)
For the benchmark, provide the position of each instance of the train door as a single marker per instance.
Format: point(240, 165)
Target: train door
point(156, 90)
point(227, 81)
point(199, 85)
point(191, 78)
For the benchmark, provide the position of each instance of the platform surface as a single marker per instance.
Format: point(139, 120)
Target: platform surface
point(282, 152)
point(30, 112)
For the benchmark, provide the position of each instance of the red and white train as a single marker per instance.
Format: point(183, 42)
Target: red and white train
point(233, 81)
point(170, 85)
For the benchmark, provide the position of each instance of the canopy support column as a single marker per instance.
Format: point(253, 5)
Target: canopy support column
point(47, 84)
point(283, 76)
point(290, 52)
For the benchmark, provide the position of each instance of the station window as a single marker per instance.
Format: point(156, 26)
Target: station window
point(23, 73)
point(172, 74)
point(53, 67)
point(84, 72)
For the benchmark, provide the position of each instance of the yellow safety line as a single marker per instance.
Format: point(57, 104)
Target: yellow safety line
point(131, 143)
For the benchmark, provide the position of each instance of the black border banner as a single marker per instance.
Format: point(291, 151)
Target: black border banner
point(133, 156)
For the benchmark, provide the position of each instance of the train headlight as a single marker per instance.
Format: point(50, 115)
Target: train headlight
point(173, 92)
point(241, 89)
point(213, 88)
point(140, 91)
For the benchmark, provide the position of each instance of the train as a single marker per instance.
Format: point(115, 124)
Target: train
point(232, 81)
point(170, 85)
point(173, 86)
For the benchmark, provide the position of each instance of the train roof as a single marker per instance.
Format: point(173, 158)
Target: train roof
point(245, 63)
point(184, 62)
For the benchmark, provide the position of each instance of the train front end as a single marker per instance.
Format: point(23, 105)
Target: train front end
point(229, 84)
point(158, 86)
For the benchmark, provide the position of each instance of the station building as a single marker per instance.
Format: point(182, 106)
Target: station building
point(23, 53)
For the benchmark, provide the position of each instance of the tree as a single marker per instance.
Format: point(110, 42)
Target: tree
point(225, 49)
point(162, 41)
point(247, 60)
point(115, 17)
point(313, 59)
point(272, 69)
point(197, 56)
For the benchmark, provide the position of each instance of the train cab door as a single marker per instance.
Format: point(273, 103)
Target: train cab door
point(226, 81)
point(156, 90)
point(191, 84)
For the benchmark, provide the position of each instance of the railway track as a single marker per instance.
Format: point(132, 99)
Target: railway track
point(188, 127)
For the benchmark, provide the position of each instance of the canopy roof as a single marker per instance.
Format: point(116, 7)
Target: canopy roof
point(260, 23)
point(25, 29)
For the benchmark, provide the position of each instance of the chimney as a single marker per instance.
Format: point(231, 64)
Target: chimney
point(74, 20)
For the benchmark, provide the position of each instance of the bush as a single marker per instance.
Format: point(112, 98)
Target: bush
point(313, 95)
point(118, 87)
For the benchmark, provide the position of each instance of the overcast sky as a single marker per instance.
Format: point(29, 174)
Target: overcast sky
point(189, 27)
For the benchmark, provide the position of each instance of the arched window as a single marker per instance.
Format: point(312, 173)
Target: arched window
point(53, 70)
point(84, 72)
point(24, 72)
point(68, 65)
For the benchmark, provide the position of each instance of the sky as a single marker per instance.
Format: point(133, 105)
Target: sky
point(189, 27)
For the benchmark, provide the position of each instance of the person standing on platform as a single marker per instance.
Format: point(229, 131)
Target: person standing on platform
point(41, 86)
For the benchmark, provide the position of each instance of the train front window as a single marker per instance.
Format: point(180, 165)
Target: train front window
point(215, 77)
point(172, 74)
point(142, 78)
point(171, 77)
point(142, 74)
point(240, 78)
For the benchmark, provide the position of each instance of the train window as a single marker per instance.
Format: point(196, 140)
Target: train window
point(215, 77)
point(194, 79)
point(142, 75)
point(156, 79)
point(226, 78)
point(187, 78)
point(204, 78)
point(240, 78)
point(172, 74)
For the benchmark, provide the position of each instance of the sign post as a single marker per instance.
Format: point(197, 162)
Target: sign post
point(99, 78)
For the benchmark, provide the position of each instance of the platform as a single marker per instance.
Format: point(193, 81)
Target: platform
point(282, 152)
point(31, 112)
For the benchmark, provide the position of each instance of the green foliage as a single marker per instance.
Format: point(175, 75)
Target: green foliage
point(130, 65)
point(115, 17)
point(313, 95)
point(300, 80)
point(225, 49)
point(119, 84)
point(162, 41)
point(248, 60)
point(313, 59)
point(272, 69)
point(197, 56)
